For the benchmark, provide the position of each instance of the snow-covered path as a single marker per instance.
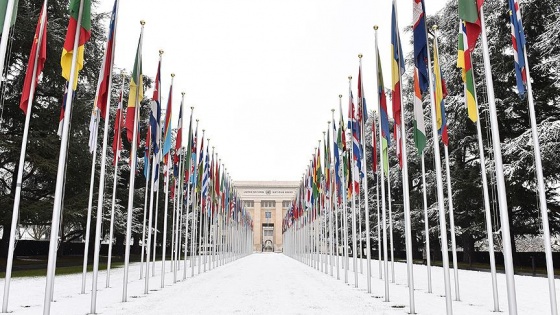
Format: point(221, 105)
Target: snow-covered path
point(274, 284)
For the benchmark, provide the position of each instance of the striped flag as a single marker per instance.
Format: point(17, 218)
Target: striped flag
point(155, 112)
point(119, 122)
point(37, 57)
point(84, 35)
point(102, 94)
point(3, 8)
point(167, 124)
point(385, 133)
point(136, 93)
point(397, 66)
point(440, 94)
point(336, 164)
point(356, 154)
point(465, 63)
point(518, 41)
point(419, 127)
point(420, 44)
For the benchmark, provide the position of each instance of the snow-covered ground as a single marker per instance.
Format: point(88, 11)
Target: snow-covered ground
point(275, 284)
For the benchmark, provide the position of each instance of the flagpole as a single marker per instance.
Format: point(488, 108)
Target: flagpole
point(406, 197)
point(90, 201)
point(426, 225)
point(199, 230)
point(345, 241)
point(501, 185)
point(115, 174)
point(335, 194)
point(101, 191)
point(390, 217)
point(382, 163)
point(450, 203)
point(440, 198)
point(53, 244)
point(541, 187)
point(4, 39)
point(365, 117)
point(19, 180)
point(132, 174)
point(146, 190)
point(194, 203)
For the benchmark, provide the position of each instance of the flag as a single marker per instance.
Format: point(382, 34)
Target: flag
point(93, 127)
point(147, 154)
point(103, 92)
point(336, 164)
point(84, 35)
point(62, 110)
point(136, 93)
point(419, 127)
point(37, 57)
point(3, 8)
point(205, 180)
point(119, 122)
point(167, 125)
point(420, 44)
point(179, 138)
point(465, 63)
point(356, 154)
point(397, 65)
point(383, 112)
point(374, 146)
point(155, 112)
point(518, 41)
point(469, 13)
point(440, 94)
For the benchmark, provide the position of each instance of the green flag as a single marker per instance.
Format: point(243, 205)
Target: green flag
point(3, 8)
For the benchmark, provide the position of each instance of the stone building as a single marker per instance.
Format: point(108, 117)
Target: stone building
point(268, 203)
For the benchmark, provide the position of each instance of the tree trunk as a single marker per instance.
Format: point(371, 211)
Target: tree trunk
point(468, 248)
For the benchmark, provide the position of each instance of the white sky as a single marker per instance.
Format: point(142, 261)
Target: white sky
point(263, 75)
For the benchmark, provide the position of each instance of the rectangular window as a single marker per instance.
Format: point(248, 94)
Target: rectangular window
point(268, 215)
point(268, 203)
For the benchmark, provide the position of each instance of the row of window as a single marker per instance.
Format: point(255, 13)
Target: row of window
point(267, 203)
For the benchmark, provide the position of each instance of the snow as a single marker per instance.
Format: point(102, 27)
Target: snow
point(275, 284)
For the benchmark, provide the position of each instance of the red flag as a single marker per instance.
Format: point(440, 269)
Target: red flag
point(39, 55)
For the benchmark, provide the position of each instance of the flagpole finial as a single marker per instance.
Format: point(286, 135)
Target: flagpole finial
point(375, 27)
point(339, 96)
point(332, 110)
point(197, 121)
point(161, 52)
point(192, 107)
point(173, 75)
point(435, 27)
point(183, 94)
point(349, 77)
point(142, 22)
point(360, 56)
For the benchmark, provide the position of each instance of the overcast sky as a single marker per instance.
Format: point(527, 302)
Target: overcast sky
point(263, 75)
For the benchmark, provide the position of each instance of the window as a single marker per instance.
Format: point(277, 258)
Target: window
point(268, 215)
point(268, 203)
point(249, 203)
point(286, 203)
point(268, 232)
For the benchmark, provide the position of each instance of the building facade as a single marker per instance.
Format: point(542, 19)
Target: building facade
point(268, 203)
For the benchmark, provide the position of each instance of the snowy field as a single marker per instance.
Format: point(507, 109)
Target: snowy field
point(275, 284)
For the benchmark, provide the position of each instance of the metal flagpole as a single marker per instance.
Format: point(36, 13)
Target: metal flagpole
point(335, 194)
point(541, 187)
point(4, 39)
point(199, 230)
point(406, 196)
point(132, 175)
point(451, 220)
point(331, 202)
point(180, 206)
point(365, 117)
point(382, 176)
point(146, 190)
point(101, 192)
point(345, 218)
point(176, 224)
point(194, 205)
point(487, 213)
point(19, 180)
point(501, 185)
point(440, 198)
point(90, 202)
point(53, 244)
point(353, 165)
point(115, 175)
point(360, 249)
point(426, 226)
point(390, 214)
point(156, 216)
point(165, 207)
point(379, 237)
